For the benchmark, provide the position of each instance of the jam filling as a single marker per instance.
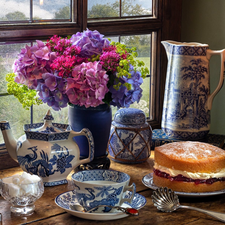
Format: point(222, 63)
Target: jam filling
point(187, 179)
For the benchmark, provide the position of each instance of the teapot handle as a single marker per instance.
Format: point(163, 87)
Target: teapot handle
point(222, 74)
point(86, 132)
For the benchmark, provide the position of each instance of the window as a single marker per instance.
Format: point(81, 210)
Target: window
point(142, 24)
point(34, 11)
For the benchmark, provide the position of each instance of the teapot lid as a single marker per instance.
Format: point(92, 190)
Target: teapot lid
point(47, 127)
point(48, 130)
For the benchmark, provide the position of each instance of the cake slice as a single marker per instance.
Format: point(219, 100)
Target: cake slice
point(189, 166)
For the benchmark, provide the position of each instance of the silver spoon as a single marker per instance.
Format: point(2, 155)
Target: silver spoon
point(80, 208)
point(167, 201)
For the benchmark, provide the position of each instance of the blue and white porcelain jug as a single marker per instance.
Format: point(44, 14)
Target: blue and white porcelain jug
point(47, 149)
point(187, 98)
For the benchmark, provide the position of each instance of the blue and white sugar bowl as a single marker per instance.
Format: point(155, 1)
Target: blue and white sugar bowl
point(130, 137)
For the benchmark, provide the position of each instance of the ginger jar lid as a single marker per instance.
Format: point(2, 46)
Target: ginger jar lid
point(130, 116)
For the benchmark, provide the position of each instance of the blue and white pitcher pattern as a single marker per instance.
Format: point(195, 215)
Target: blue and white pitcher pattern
point(187, 99)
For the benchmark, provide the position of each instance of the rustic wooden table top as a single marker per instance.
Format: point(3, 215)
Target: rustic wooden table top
point(47, 212)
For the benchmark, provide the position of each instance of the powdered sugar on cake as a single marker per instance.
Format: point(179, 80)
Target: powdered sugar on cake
point(190, 150)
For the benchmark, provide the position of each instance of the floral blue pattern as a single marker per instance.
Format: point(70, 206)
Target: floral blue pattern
point(42, 165)
point(130, 136)
point(186, 108)
point(68, 198)
point(101, 187)
point(103, 191)
point(47, 149)
point(109, 196)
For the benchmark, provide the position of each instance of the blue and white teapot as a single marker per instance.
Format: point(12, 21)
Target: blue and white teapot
point(47, 149)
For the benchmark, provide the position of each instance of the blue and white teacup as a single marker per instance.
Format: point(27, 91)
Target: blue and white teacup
point(102, 187)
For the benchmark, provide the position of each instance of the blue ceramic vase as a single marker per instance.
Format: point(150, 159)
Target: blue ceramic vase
point(98, 121)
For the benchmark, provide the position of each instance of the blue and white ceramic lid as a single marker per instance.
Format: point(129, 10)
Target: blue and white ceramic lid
point(130, 116)
point(48, 130)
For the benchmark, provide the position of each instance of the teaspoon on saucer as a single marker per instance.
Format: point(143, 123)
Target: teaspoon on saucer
point(167, 201)
point(130, 211)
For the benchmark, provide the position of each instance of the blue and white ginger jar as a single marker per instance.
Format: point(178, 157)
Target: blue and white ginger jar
point(130, 137)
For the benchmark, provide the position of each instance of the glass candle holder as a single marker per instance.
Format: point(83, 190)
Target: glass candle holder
point(22, 196)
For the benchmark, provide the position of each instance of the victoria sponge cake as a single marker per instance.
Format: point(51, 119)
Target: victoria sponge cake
point(189, 166)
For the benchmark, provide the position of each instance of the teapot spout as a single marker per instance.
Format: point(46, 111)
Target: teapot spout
point(10, 141)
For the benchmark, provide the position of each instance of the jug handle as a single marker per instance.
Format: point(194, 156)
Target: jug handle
point(86, 132)
point(222, 74)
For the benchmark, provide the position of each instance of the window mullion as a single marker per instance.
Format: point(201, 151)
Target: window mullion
point(84, 16)
point(31, 11)
point(31, 115)
point(120, 8)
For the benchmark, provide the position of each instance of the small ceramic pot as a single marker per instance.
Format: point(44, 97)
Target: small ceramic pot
point(102, 187)
point(130, 137)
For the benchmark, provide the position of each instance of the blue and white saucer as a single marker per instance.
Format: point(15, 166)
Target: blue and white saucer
point(65, 199)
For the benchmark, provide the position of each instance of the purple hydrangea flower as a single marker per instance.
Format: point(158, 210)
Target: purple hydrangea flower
point(44, 91)
point(32, 63)
point(51, 90)
point(124, 97)
point(90, 42)
point(50, 81)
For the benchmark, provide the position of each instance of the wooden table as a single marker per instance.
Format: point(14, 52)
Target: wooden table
point(47, 212)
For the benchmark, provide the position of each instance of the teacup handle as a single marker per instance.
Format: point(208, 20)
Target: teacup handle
point(133, 187)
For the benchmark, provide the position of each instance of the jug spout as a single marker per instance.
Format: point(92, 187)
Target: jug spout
point(168, 46)
point(10, 141)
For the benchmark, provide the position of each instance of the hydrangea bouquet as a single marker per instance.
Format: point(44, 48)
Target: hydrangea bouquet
point(85, 70)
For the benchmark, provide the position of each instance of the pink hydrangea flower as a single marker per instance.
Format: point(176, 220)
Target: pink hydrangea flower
point(88, 85)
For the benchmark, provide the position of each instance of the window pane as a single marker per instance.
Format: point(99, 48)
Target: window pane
point(136, 7)
point(48, 9)
point(12, 111)
point(59, 116)
point(115, 39)
point(143, 48)
point(142, 44)
point(12, 10)
point(8, 54)
point(103, 8)
point(111, 8)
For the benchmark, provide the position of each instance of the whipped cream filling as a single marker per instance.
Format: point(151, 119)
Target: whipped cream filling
point(173, 173)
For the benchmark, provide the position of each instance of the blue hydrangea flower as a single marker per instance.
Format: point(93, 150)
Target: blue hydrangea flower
point(124, 97)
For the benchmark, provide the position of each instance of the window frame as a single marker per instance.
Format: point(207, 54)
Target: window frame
point(165, 24)
point(43, 30)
